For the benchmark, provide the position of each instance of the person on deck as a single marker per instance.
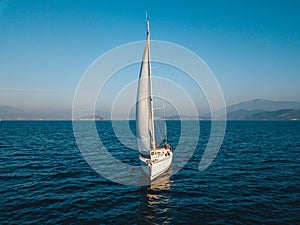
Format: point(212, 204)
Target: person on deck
point(163, 144)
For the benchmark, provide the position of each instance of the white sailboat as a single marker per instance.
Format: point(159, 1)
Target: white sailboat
point(158, 158)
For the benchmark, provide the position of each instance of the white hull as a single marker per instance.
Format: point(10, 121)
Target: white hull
point(159, 167)
point(159, 163)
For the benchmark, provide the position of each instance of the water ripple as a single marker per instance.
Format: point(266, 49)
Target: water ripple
point(254, 179)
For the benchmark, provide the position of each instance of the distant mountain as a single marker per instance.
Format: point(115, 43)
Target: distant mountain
point(91, 117)
point(177, 117)
point(282, 114)
point(8, 112)
point(263, 105)
point(12, 113)
point(241, 114)
point(260, 109)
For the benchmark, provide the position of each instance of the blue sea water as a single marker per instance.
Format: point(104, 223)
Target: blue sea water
point(254, 178)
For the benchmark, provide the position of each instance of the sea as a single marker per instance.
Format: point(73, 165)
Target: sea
point(254, 178)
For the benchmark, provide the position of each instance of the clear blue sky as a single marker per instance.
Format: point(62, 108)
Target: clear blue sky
point(253, 47)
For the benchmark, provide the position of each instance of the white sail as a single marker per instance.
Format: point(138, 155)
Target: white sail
point(144, 107)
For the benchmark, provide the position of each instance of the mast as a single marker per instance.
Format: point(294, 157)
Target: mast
point(144, 104)
point(150, 89)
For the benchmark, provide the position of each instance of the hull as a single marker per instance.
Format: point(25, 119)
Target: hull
point(158, 164)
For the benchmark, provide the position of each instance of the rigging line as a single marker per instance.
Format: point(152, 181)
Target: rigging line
point(160, 110)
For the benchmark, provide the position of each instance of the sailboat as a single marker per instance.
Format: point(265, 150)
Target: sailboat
point(158, 158)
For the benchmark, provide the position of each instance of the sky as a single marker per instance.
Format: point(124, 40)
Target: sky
point(252, 47)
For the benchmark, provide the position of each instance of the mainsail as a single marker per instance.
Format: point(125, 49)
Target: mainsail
point(144, 106)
